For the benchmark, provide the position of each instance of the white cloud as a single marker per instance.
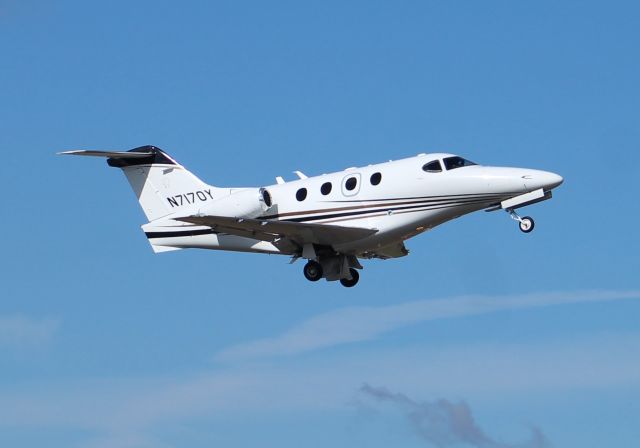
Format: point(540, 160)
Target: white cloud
point(354, 324)
point(22, 331)
point(128, 412)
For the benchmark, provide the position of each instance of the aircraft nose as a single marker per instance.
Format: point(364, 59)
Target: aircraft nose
point(542, 179)
point(551, 180)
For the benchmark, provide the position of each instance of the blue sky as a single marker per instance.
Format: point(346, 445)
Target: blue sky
point(535, 337)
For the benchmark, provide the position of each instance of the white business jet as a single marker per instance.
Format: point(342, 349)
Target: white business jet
point(331, 220)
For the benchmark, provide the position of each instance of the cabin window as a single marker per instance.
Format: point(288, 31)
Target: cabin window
point(325, 189)
point(301, 194)
point(376, 178)
point(351, 184)
point(451, 163)
point(432, 167)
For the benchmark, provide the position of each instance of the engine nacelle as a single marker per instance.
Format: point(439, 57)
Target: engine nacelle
point(244, 203)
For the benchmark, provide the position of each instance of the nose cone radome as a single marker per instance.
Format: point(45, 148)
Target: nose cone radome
point(553, 180)
point(542, 179)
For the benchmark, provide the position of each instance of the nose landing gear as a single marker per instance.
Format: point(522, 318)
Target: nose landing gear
point(526, 223)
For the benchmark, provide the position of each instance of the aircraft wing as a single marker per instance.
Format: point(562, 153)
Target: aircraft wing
point(272, 230)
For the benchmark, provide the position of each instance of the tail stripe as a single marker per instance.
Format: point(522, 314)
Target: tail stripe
point(156, 157)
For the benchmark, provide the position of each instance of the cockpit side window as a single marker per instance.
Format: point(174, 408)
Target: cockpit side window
point(432, 167)
point(451, 163)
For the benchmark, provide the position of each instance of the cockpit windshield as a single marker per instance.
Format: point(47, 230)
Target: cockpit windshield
point(451, 163)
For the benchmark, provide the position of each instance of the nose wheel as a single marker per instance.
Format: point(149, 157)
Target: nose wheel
point(526, 223)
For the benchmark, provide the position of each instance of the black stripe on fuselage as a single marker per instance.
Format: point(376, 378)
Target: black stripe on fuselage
point(351, 211)
point(408, 201)
point(448, 196)
point(422, 207)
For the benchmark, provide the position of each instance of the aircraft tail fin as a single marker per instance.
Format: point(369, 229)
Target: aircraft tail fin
point(161, 184)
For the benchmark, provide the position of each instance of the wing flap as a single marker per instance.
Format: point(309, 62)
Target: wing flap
point(271, 230)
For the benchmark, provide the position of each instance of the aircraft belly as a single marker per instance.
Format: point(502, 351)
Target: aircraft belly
point(400, 226)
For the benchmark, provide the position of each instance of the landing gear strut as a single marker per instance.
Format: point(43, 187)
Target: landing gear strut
point(332, 268)
point(312, 271)
point(526, 223)
point(348, 283)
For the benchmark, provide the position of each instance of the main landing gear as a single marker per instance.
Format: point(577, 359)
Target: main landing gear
point(333, 268)
point(526, 223)
point(354, 279)
point(312, 271)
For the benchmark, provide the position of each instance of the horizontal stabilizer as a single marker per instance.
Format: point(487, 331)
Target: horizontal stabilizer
point(270, 230)
point(109, 154)
point(157, 180)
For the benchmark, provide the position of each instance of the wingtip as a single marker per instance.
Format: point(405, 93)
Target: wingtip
point(77, 152)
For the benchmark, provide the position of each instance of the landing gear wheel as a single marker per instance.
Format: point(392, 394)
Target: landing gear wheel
point(527, 224)
point(354, 279)
point(312, 271)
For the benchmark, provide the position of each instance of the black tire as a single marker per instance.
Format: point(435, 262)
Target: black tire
point(353, 281)
point(312, 271)
point(527, 224)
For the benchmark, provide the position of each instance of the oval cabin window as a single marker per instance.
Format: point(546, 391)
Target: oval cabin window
point(351, 183)
point(376, 178)
point(301, 194)
point(325, 189)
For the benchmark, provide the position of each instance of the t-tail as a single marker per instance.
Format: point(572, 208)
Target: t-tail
point(163, 186)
